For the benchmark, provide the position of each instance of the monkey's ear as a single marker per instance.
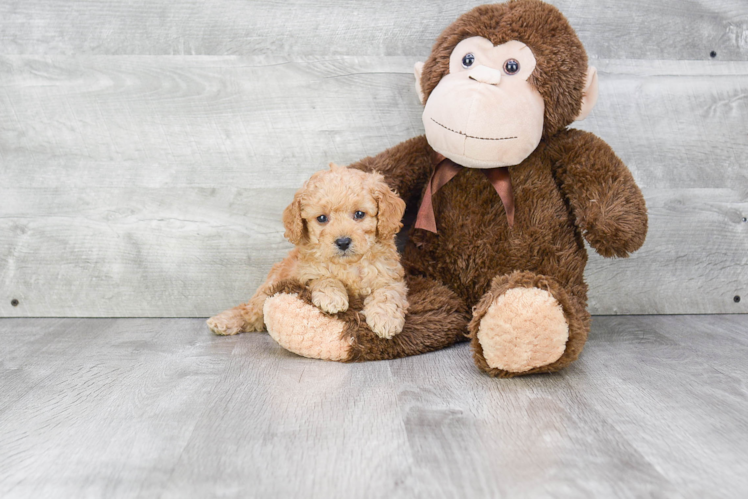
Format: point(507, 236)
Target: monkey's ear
point(293, 222)
point(589, 98)
point(417, 70)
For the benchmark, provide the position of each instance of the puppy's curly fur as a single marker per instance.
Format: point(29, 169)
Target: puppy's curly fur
point(343, 222)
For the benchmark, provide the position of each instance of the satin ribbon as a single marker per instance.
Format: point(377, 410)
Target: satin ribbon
point(445, 171)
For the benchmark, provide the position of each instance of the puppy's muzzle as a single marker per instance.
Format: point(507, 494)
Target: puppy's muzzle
point(343, 243)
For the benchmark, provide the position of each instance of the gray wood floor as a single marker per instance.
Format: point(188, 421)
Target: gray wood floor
point(656, 406)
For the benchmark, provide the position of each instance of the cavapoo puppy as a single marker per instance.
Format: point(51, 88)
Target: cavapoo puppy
point(343, 222)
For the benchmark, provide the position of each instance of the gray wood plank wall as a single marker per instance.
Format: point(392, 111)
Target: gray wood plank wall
point(147, 148)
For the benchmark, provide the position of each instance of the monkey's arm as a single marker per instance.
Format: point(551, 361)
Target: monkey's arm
point(406, 167)
point(607, 203)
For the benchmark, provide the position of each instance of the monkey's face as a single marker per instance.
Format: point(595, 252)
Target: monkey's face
point(485, 113)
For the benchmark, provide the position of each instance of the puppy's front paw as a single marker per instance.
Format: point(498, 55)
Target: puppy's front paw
point(384, 319)
point(330, 300)
point(228, 322)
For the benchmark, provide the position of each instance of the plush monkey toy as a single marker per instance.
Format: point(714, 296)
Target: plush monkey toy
point(506, 194)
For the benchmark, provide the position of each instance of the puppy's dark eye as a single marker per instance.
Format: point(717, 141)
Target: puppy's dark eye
point(322, 219)
point(358, 214)
point(511, 66)
point(468, 60)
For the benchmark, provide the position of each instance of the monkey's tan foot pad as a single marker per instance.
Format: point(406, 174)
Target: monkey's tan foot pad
point(303, 329)
point(524, 328)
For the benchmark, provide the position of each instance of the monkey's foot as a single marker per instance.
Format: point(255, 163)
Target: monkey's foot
point(524, 328)
point(304, 330)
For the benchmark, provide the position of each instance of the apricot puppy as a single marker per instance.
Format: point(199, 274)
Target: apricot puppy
point(343, 222)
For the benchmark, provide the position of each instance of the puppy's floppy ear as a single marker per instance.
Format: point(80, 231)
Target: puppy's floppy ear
point(292, 220)
point(391, 209)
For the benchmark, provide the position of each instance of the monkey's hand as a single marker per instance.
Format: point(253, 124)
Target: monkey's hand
point(329, 295)
point(608, 205)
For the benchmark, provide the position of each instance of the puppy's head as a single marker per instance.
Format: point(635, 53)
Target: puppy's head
point(340, 213)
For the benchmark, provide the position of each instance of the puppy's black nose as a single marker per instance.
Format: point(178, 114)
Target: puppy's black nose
point(343, 243)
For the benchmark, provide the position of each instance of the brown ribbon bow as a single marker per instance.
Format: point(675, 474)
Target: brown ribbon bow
point(445, 171)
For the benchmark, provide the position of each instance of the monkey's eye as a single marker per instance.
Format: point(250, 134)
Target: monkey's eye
point(511, 66)
point(468, 60)
point(322, 219)
point(358, 215)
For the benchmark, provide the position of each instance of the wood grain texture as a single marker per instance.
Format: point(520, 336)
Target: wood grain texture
point(667, 393)
point(694, 258)
point(197, 121)
point(149, 252)
point(632, 29)
point(153, 185)
point(527, 437)
point(226, 121)
point(112, 402)
point(655, 407)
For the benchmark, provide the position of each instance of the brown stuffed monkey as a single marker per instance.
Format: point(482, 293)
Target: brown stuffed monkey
point(506, 194)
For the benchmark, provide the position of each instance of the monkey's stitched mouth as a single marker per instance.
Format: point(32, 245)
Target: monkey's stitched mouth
point(472, 136)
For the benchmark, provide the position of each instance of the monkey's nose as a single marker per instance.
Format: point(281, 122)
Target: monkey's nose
point(343, 243)
point(484, 74)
